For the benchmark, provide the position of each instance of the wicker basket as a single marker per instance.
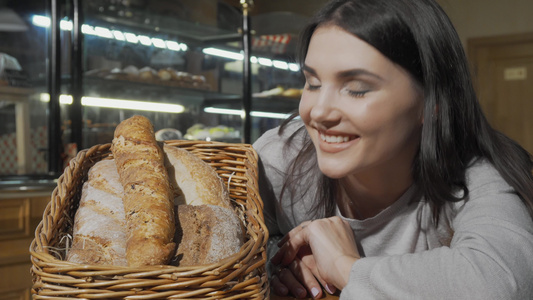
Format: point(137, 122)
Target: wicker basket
point(241, 276)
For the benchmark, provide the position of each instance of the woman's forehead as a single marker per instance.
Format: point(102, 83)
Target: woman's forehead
point(331, 47)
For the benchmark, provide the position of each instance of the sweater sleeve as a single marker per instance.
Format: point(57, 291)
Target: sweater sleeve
point(490, 255)
point(269, 180)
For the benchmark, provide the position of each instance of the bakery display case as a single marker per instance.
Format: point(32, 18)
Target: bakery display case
point(158, 59)
point(198, 69)
point(277, 79)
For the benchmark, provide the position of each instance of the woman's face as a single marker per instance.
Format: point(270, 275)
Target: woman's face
point(362, 111)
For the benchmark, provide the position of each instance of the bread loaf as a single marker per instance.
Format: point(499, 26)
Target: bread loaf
point(206, 234)
point(148, 196)
point(194, 181)
point(127, 214)
point(99, 235)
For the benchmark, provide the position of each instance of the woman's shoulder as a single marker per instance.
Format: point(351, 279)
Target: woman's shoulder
point(482, 176)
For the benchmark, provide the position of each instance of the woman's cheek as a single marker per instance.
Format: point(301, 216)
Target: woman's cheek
point(304, 108)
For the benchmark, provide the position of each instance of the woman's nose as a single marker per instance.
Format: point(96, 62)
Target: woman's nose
point(326, 110)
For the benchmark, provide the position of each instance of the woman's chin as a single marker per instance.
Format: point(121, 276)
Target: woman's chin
point(333, 172)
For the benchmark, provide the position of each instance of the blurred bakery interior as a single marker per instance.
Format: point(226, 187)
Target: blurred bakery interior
point(216, 70)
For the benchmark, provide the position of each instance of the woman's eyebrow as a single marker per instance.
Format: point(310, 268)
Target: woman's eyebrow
point(346, 74)
point(308, 69)
point(358, 72)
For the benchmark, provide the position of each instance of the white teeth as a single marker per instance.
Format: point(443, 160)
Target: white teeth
point(334, 139)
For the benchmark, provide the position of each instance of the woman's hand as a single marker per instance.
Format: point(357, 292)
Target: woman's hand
point(300, 277)
point(333, 248)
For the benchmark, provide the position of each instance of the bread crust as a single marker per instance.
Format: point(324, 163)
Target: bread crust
point(99, 237)
point(206, 234)
point(194, 182)
point(148, 199)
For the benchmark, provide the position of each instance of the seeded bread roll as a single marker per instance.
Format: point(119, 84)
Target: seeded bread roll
point(148, 198)
point(99, 236)
point(206, 234)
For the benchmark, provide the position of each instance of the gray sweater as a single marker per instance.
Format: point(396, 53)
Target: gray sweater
point(482, 248)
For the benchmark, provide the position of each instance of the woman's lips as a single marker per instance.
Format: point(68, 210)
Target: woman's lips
point(336, 138)
point(335, 142)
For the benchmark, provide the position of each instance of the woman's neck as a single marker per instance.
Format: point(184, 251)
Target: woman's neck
point(362, 199)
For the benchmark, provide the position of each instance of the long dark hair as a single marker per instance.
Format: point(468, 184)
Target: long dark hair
point(417, 35)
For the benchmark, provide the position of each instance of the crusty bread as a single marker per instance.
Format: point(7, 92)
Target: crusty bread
point(206, 234)
point(194, 181)
point(99, 235)
point(148, 199)
point(124, 218)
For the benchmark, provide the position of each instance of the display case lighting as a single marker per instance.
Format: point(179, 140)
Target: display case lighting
point(103, 32)
point(43, 21)
point(280, 64)
point(223, 53)
point(144, 40)
point(159, 43)
point(88, 30)
point(119, 36)
point(173, 45)
point(265, 62)
point(240, 112)
point(131, 38)
point(119, 103)
point(294, 67)
point(65, 25)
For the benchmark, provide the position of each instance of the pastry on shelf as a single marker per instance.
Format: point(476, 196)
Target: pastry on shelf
point(279, 91)
point(164, 74)
point(269, 93)
point(147, 73)
point(202, 132)
point(292, 93)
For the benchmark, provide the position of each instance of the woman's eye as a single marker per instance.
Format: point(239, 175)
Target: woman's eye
point(312, 87)
point(312, 83)
point(356, 88)
point(357, 94)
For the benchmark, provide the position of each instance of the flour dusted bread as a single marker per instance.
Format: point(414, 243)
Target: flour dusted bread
point(99, 236)
point(206, 234)
point(127, 214)
point(148, 198)
point(193, 180)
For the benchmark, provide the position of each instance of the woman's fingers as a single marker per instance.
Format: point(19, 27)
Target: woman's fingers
point(288, 278)
point(293, 231)
point(307, 258)
point(279, 288)
point(333, 248)
point(306, 276)
point(288, 249)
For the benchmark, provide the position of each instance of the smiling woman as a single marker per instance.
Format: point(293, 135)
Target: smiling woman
point(395, 165)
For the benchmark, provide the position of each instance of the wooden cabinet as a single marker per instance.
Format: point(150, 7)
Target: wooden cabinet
point(20, 213)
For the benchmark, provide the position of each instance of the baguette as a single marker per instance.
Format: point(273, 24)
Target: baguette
point(148, 198)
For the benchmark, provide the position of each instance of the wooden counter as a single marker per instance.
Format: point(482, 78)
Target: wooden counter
point(20, 213)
